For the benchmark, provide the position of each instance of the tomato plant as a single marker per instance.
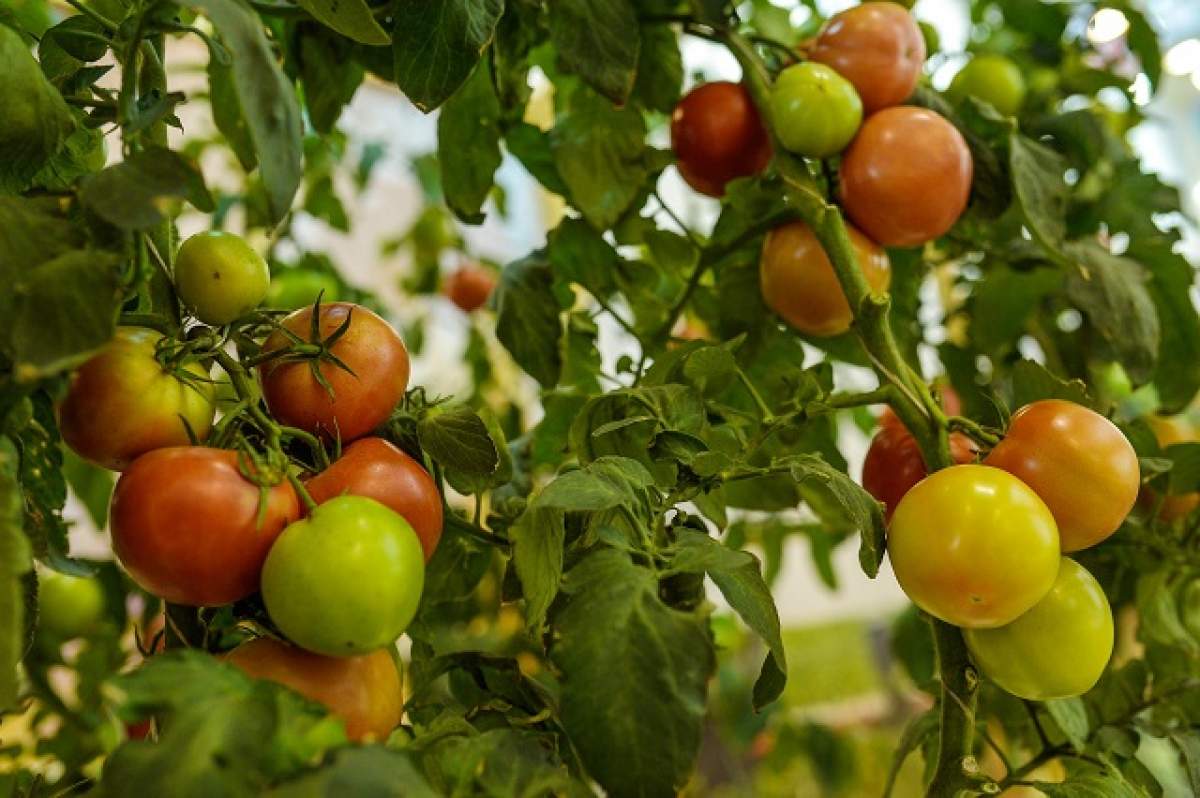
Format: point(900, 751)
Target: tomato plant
point(299, 288)
point(718, 136)
point(894, 464)
point(68, 606)
point(816, 110)
point(470, 286)
point(994, 79)
point(878, 47)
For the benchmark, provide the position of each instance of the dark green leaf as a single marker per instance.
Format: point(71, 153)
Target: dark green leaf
point(860, 507)
point(1032, 382)
point(436, 45)
point(527, 317)
point(351, 18)
point(1071, 716)
point(538, 557)
point(531, 146)
point(14, 561)
point(598, 40)
point(1037, 175)
point(133, 194)
point(469, 138)
point(458, 439)
point(330, 75)
point(1004, 301)
point(367, 772)
point(660, 69)
point(36, 120)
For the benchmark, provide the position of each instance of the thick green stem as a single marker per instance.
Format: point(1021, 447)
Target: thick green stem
point(954, 773)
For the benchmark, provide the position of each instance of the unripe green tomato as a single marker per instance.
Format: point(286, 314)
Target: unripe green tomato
point(346, 580)
point(1058, 649)
point(992, 79)
point(68, 606)
point(816, 110)
point(299, 288)
point(220, 277)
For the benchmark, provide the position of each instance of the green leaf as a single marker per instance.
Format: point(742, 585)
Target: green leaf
point(603, 484)
point(634, 677)
point(599, 41)
point(528, 320)
point(863, 512)
point(1091, 786)
point(82, 153)
point(1004, 301)
point(134, 194)
point(499, 763)
point(265, 96)
point(227, 113)
point(1143, 42)
point(1037, 175)
point(921, 728)
point(36, 120)
point(579, 254)
point(538, 557)
point(599, 153)
point(531, 146)
point(436, 45)
point(15, 560)
point(1177, 374)
point(1188, 743)
point(1072, 718)
point(658, 88)
point(1031, 382)
point(468, 133)
point(738, 575)
point(1158, 611)
point(458, 439)
point(351, 18)
point(330, 75)
point(1185, 467)
point(369, 771)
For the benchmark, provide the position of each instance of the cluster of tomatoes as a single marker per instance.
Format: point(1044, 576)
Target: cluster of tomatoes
point(981, 545)
point(338, 555)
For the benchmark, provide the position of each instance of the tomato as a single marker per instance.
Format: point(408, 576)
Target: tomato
point(973, 546)
point(906, 177)
point(1058, 649)
point(470, 287)
point(816, 110)
point(894, 464)
point(187, 526)
point(1169, 431)
point(123, 403)
point(374, 468)
point(365, 692)
point(1082, 466)
point(298, 288)
point(361, 401)
point(993, 79)
point(347, 579)
point(68, 606)
point(717, 136)
point(798, 281)
point(220, 277)
point(876, 46)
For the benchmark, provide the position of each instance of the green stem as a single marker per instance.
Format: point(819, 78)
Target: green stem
point(763, 408)
point(884, 394)
point(94, 15)
point(951, 776)
point(305, 497)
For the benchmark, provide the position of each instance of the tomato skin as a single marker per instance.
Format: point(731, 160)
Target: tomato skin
point(1077, 460)
point(906, 177)
point(717, 136)
point(346, 580)
point(993, 79)
point(220, 277)
point(374, 468)
point(894, 464)
point(470, 287)
point(362, 400)
point(876, 46)
point(365, 692)
point(185, 524)
point(122, 404)
point(298, 288)
point(68, 606)
point(816, 110)
point(798, 281)
point(973, 546)
point(1057, 649)
point(1170, 431)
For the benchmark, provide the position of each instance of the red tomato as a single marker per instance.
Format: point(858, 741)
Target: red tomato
point(470, 287)
point(374, 468)
point(1082, 466)
point(365, 692)
point(718, 136)
point(894, 463)
point(186, 525)
point(878, 47)
point(361, 401)
point(906, 177)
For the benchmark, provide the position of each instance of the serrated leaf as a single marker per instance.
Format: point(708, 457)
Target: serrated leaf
point(538, 557)
point(860, 507)
point(599, 41)
point(351, 18)
point(1031, 382)
point(458, 439)
point(136, 193)
point(1072, 718)
point(436, 45)
point(603, 484)
point(370, 771)
point(468, 133)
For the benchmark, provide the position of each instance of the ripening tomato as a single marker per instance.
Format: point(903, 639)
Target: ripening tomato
point(220, 277)
point(123, 403)
point(374, 468)
point(188, 526)
point(973, 546)
point(894, 464)
point(298, 288)
point(816, 111)
point(346, 580)
point(361, 400)
point(1058, 649)
point(798, 281)
point(1082, 466)
point(717, 136)
point(470, 287)
point(906, 177)
point(68, 606)
point(876, 46)
point(1169, 431)
point(993, 79)
point(365, 692)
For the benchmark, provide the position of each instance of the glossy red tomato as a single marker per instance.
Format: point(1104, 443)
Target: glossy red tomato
point(906, 177)
point(798, 281)
point(1082, 466)
point(717, 136)
point(361, 400)
point(878, 47)
point(365, 692)
point(374, 468)
point(894, 464)
point(123, 402)
point(187, 525)
point(470, 287)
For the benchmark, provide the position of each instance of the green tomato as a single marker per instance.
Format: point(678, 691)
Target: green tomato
point(346, 580)
point(220, 277)
point(299, 288)
point(992, 79)
point(68, 606)
point(816, 110)
point(1056, 650)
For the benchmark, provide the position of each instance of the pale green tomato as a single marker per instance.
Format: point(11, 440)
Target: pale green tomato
point(220, 277)
point(68, 606)
point(992, 79)
point(816, 111)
